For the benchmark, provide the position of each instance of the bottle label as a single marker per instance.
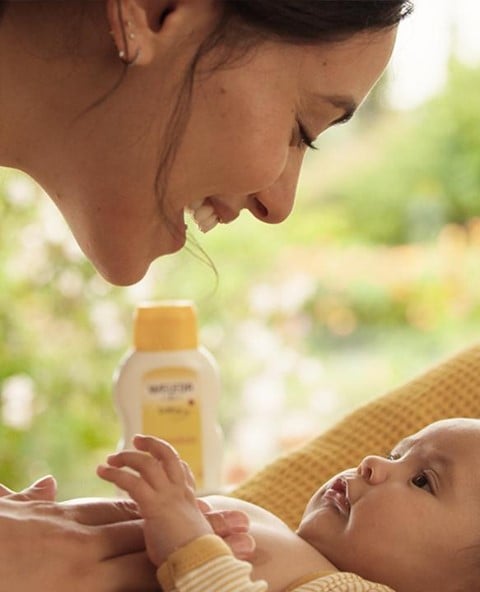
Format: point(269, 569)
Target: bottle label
point(171, 411)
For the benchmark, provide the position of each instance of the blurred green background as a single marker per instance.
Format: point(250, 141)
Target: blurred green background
point(374, 278)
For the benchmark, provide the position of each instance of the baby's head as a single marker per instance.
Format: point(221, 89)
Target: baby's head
point(410, 520)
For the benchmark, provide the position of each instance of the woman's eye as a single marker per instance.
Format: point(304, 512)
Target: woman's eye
point(393, 456)
point(304, 138)
point(422, 481)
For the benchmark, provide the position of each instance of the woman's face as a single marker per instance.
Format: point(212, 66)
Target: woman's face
point(242, 147)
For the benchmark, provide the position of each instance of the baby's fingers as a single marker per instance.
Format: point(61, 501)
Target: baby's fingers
point(148, 467)
point(132, 484)
point(188, 474)
point(165, 454)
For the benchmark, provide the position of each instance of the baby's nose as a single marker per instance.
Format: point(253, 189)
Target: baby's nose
point(374, 469)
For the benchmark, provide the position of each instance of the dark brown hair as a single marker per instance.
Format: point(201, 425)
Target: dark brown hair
point(245, 23)
point(310, 21)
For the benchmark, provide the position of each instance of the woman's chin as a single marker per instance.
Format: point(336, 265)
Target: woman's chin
point(124, 258)
point(127, 269)
point(122, 275)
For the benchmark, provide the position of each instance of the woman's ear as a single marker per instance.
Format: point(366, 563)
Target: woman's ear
point(129, 27)
point(142, 28)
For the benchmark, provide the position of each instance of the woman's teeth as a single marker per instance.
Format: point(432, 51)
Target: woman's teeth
point(204, 215)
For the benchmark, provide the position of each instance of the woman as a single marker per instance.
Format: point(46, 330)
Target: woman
point(127, 112)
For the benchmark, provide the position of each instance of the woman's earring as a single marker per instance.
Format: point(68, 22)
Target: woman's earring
point(126, 59)
point(131, 35)
point(124, 54)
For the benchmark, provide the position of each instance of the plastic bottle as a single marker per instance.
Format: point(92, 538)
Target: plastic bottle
point(169, 387)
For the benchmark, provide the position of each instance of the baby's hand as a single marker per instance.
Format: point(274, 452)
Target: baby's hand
point(162, 488)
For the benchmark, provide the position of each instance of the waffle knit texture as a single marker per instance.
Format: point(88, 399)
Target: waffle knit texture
point(450, 389)
point(341, 582)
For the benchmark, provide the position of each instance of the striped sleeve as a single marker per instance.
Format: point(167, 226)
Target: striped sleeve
point(207, 564)
point(204, 565)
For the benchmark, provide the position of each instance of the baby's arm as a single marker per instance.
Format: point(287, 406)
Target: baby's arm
point(163, 490)
point(175, 529)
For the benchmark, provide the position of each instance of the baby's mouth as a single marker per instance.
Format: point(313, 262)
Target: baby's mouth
point(337, 494)
point(204, 215)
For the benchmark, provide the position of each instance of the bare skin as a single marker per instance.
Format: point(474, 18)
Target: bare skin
point(94, 545)
point(242, 147)
point(412, 518)
point(167, 499)
point(276, 544)
point(409, 520)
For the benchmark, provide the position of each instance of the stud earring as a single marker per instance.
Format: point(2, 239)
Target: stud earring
point(124, 57)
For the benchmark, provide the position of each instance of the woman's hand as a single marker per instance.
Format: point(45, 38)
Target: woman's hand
point(43, 489)
point(47, 546)
point(95, 546)
point(233, 527)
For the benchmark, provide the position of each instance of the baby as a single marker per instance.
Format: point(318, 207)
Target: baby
point(409, 521)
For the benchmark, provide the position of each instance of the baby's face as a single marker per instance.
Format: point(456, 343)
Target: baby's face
point(411, 520)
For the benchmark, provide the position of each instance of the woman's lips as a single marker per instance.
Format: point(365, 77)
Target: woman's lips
point(337, 494)
point(224, 213)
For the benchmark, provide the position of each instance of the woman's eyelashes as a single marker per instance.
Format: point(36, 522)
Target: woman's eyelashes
point(304, 138)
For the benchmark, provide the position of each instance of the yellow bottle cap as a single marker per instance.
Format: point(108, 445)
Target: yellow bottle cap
point(165, 325)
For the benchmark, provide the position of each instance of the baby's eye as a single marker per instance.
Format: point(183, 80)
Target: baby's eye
point(423, 482)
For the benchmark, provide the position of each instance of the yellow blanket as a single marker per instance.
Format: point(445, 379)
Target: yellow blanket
point(451, 389)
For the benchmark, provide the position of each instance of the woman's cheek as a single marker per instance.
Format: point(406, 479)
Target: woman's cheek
point(257, 166)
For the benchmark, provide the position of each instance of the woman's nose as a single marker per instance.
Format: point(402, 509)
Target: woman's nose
point(374, 469)
point(274, 204)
